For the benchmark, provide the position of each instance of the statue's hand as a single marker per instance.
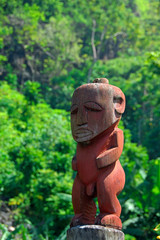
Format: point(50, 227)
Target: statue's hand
point(74, 163)
point(103, 160)
point(108, 157)
point(113, 154)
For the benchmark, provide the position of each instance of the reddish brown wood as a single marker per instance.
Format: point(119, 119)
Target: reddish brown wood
point(95, 113)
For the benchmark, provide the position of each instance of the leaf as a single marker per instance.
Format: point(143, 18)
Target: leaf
point(157, 228)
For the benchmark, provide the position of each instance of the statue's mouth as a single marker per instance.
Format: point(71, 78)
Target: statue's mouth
point(83, 133)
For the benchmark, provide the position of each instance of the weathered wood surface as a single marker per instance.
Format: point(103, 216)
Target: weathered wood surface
point(94, 232)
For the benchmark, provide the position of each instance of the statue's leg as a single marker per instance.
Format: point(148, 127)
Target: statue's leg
point(109, 185)
point(83, 205)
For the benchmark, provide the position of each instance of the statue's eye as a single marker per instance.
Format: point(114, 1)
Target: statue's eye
point(74, 109)
point(93, 107)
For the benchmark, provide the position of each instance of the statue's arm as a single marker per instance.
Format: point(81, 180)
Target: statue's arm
point(111, 155)
point(74, 163)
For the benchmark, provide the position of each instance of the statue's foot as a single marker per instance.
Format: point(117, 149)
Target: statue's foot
point(80, 219)
point(109, 220)
point(76, 220)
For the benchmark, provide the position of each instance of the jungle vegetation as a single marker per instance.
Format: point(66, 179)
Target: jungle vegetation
point(47, 49)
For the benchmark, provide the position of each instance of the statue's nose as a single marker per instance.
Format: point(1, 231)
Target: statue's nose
point(81, 117)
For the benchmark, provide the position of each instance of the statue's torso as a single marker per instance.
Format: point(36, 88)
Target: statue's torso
point(86, 157)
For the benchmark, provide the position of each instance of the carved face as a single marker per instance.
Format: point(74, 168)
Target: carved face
point(92, 111)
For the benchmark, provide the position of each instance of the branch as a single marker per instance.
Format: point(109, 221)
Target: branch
point(92, 41)
point(118, 34)
point(101, 40)
point(46, 52)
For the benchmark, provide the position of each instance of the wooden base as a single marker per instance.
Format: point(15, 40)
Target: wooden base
point(94, 232)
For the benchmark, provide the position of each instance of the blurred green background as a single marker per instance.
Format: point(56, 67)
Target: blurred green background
point(47, 49)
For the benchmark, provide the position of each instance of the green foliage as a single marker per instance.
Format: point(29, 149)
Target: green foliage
point(32, 92)
point(44, 40)
point(36, 149)
point(140, 197)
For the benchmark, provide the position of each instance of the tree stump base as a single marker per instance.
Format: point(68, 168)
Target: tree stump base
point(94, 232)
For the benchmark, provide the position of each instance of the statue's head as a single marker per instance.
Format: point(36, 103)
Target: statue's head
point(95, 107)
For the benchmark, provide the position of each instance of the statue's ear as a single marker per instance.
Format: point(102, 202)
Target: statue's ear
point(119, 103)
